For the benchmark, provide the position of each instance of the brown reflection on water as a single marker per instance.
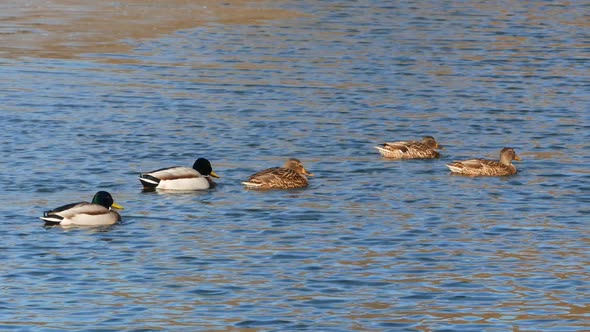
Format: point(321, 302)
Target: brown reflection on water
point(69, 28)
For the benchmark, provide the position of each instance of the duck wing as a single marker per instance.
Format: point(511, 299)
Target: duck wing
point(400, 146)
point(473, 163)
point(173, 173)
point(63, 208)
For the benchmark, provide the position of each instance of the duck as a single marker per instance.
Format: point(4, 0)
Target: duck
point(180, 178)
point(484, 167)
point(96, 213)
point(425, 149)
point(292, 175)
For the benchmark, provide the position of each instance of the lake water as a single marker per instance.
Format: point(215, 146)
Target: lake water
point(91, 95)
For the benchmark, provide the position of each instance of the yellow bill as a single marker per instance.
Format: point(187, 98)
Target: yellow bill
point(117, 206)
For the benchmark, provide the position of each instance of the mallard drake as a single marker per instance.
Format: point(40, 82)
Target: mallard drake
point(180, 178)
point(96, 213)
point(426, 149)
point(475, 167)
point(291, 175)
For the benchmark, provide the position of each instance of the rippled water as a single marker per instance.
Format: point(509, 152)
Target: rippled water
point(372, 244)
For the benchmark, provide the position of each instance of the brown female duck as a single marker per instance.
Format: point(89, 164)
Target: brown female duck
point(426, 149)
point(484, 167)
point(291, 175)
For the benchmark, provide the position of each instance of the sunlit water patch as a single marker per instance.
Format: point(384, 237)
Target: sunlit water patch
point(372, 244)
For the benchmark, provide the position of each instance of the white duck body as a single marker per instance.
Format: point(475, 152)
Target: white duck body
point(180, 178)
point(97, 213)
point(176, 178)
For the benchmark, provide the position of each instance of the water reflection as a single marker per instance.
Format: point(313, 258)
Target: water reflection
point(94, 93)
point(69, 29)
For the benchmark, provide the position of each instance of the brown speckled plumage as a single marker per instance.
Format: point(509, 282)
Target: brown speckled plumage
point(484, 167)
point(426, 149)
point(291, 175)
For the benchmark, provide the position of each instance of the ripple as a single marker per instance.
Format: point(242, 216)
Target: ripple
point(371, 244)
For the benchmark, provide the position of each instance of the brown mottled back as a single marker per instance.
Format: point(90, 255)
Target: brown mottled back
point(411, 149)
point(291, 175)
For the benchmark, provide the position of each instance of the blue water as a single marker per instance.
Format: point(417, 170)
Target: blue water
point(372, 244)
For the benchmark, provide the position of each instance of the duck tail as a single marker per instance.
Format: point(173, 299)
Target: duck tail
point(51, 219)
point(454, 168)
point(381, 149)
point(148, 181)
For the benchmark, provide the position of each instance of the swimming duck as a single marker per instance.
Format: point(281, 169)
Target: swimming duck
point(291, 175)
point(181, 178)
point(426, 149)
point(98, 212)
point(475, 167)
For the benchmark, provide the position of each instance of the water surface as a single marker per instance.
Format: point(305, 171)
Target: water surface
point(372, 244)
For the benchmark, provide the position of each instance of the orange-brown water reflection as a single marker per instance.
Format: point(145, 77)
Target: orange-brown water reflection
point(66, 29)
